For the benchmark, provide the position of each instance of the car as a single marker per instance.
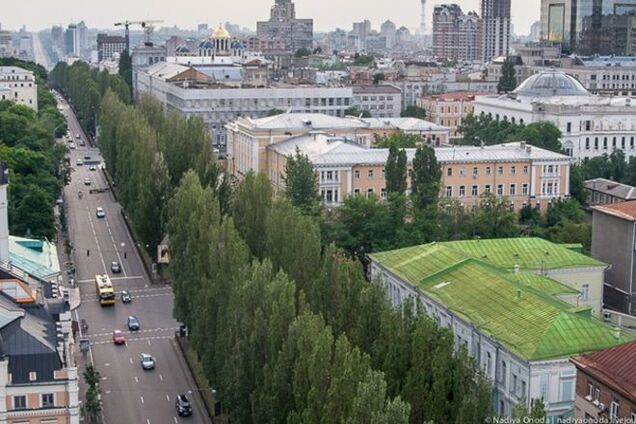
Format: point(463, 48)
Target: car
point(133, 323)
point(115, 267)
point(100, 212)
point(147, 361)
point(119, 337)
point(87, 181)
point(77, 136)
point(125, 296)
point(79, 162)
point(72, 145)
point(183, 406)
point(87, 157)
point(59, 201)
point(82, 143)
point(93, 168)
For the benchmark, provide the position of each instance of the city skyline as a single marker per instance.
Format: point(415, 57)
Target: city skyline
point(245, 13)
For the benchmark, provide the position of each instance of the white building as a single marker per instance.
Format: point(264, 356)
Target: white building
point(18, 85)
point(590, 125)
point(380, 100)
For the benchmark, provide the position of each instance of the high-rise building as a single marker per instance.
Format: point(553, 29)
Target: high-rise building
point(108, 45)
point(495, 15)
point(283, 25)
point(456, 36)
point(603, 27)
point(71, 41)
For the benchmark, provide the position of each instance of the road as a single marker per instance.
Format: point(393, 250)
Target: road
point(39, 54)
point(130, 394)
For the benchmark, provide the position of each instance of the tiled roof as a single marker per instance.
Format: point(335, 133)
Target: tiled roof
point(612, 188)
point(458, 95)
point(517, 310)
point(404, 124)
point(623, 210)
point(614, 366)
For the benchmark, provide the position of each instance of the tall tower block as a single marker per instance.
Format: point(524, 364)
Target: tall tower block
point(423, 17)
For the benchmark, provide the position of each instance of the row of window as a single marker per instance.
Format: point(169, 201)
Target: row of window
point(605, 143)
point(16, 84)
point(512, 190)
point(47, 401)
point(321, 101)
point(4, 77)
point(488, 171)
point(375, 98)
point(594, 395)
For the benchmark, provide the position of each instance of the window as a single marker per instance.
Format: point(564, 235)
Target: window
point(356, 191)
point(504, 373)
point(475, 190)
point(356, 174)
point(449, 191)
point(588, 125)
point(523, 388)
point(633, 416)
point(370, 173)
point(449, 172)
point(605, 143)
point(487, 170)
point(370, 192)
point(587, 143)
point(613, 413)
point(488, 363)
point(475, 171)
point(48, 400)
point(383, 193)
point(568, 127)
point(513, 189)
point(514, 384)
point(500, 189)
point(613, 142)
point(513, 170)
point(566, 390)
point(19, 402)
point(631, 142)
point(462, 172)
point(500, 170)
point(462, 191)
point(585, 292)
point(525, 169)
point(487, 188)
point(597, 393)
point(623, 143)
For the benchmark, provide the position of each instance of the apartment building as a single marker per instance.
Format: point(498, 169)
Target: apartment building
point(449, 109)
point(606, 385)
point(456, 36)
point(109, 45)
point(503, 302)
point(601, 191)
point(18, 85)
point(248, 138)
point(495, 15)
point(380, 100)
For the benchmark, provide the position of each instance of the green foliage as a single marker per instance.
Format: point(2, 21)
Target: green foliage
point(125, 69)
point(577, 183)
point(274, 112)
point(378, 77)
point(536, 413)
point(508, 79)
point(356, 111)
point(92, 404)
point(363, 60)
point(399, 139)
point(425, 178)
point(395, 170)
point(413, 111)
point(494, 217)
point(252, 206)
point(301, 185)
point(302, 52)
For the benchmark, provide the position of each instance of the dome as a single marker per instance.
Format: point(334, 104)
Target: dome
point(220, 33)
point(206, 45)
point(551, 83)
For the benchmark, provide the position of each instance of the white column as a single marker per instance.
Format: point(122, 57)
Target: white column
point(4, 219)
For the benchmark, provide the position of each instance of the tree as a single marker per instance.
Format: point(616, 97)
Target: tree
point(301, 185)
point(125, 69)
point(426, 178)
point(274, 112)
point(508, 79)
point(252, 206)
point(398, 139)
point(577, 183)
point(494, 218)
point(378, 77)
point(395, 171)
point(541, 134)
point(413, 111)
point(356, 111)
point(618, 165)
point(302, 52)
point(536, 413)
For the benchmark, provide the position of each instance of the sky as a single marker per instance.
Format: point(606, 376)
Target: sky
point(327, 14)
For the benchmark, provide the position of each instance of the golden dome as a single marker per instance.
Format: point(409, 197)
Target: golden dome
point(220, 33)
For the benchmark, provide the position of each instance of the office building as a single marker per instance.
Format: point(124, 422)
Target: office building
point(456, 36)
point(72, 41)
point(6, 44)
point(18, 85)
point(590, 125)
point(379, 100)
point(495, 15)
point(283, 25)
point(109, 45)
point(505, 303)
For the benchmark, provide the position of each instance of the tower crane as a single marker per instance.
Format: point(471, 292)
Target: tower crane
point(147, 26)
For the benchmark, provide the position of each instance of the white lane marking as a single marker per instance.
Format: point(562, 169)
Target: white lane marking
point(175, 419)
point(149, 341)
point(121, 264)
point(136, 379)
point(92, 280)
point(150, 330)
point(99, 249)
point(142, 399)
point(103, 342)
point(93, 298)
point(147, 420)
point(161, 378)
point(168, 398)
point(130, 361)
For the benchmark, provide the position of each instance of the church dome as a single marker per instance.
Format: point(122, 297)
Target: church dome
point(236, 44)
point(220, 33)
point(206, 45)
point(551, 83)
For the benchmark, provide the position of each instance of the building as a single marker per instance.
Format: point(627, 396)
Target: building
point(613, 241)
point(380, 100)
point(18, 85)
point(456, 36)
point(606, 384)
point(109, 45)
point(495, 15)
point(601, 191)
point(283, 25)
point(602, 27)
point(504, 302)
point(6, 44)
point(590, 125)
point(248, 138)
point(449, 109)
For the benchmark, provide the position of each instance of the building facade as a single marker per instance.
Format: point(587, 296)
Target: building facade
point(109, 45)
point(380, 100)
point(613, 241)
point(456, 36)
point(601, 191)
point(495, 297)
point(495, 15)
point(449, 109)
point(606, 385)
point(283, 25)
point(18, 85)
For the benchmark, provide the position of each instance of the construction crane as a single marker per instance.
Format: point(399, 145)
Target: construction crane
point(146, 25)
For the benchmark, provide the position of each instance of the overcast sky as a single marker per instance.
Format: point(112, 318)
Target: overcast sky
point(327, 14)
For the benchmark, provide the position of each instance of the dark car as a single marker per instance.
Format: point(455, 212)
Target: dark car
point(115, 267)
point(183, 406)
point(133, 323)
point(125, 296)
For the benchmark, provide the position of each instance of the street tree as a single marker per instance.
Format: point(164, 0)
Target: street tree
point(301, 185)
point(508, 80)
point(426, 178)
point(395, 171)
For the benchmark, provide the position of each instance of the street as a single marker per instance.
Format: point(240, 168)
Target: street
point(129, 394)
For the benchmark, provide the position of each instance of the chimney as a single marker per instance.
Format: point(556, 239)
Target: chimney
point(516, 269)
point(4, 218)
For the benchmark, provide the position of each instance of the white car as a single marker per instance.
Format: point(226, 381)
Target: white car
point(100, 212)
point(79, 162)
point(87, 181)
point(72, 145)
point(93, 168)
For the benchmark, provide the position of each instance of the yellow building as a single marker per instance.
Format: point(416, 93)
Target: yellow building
point(449, 109)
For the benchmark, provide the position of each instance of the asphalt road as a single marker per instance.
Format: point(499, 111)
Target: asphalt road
point(130, 394)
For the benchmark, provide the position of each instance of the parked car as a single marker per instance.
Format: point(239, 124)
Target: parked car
point(87, 157)
point(87, 181)
point(72, 145)
point(115, 267)
point(100, 212)
point(119, 337)
point(183, 406)
point(79, 162)
point(125, 296)
point(147, 361)
point(133, 323)
point(93, 168)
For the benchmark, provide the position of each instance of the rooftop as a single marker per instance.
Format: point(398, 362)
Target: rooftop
point(612, 188)
point(623, 210)
point(614, 366)
point(551, 83)
point(36, 257)
point(517, 309)
point(376, 88)
point(458, 95)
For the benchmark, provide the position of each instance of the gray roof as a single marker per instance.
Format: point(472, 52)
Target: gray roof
point(222, 73)
point(612, 188)
point(285, 121)
point(404, 124)
point(551, 83)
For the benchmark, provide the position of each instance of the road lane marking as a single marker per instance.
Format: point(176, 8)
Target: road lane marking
point(136, 379)
point(161, 378)
point(142, 399)
point(103, 342)
point(149, 330)
point(99, 249)
point(130, 361)
point(147, 420)
point(168, 398)
point(149, 341)
point(92, 280)
point(175, 419)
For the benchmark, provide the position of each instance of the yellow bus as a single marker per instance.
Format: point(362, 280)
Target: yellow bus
point(105, 291)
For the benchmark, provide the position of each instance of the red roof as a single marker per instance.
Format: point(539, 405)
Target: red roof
point(623, 210)
point(459, 95)
point(613, 367)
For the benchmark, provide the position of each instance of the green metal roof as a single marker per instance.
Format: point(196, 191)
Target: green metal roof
point(35, 257)
point(517, 309)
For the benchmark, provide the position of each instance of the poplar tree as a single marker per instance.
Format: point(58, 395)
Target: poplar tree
point(395, 171)
point(426, 178)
